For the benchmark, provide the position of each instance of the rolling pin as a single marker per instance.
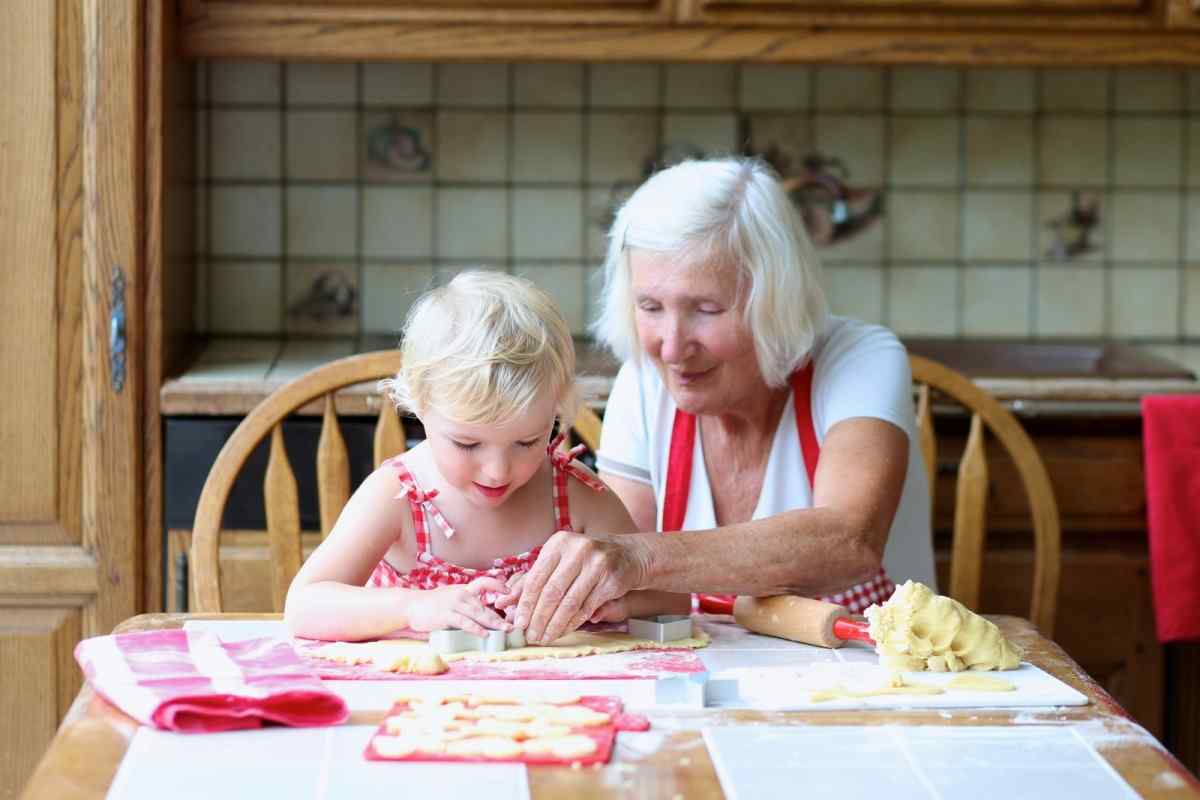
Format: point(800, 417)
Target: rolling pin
point(800, 619)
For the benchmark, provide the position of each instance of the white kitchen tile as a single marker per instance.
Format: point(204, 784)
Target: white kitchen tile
point(245, 82)
point(996, 301)
point(715, 134)
point(547, 146)
point(322, 83)
point(997, 226)
point(565, 284)
point(1074, 90)
point(201, 119)
point(593, 287)
point(548, 85)
point(864, 246)
point(1073, 151)
point(856, 291)
point(602, 204)
point(1063, 234)
point(301, 277)
point(322, 145)
point(999, 90)
point(1148, 89)
point(999, 151)
point(397, 146)
point(1191, 301)
point(1193, 151)
point(322, 220)
point(398, 222)
point(200, 297)
point(924, 151)
point(926, 89)
point(477, 85)
point(618, 144)
point(1070, 301)
point(700, 86)
point(786, 136)
point(1145, 301)
point(774, 87)
point(924, 226)
point(246, 297)
point(547, 223)
point(1145, 226)
point(624, 85)
point(246, 144)
point(923, 301)
point(1148, 151)
point(246, 220)
point(858, 141)
point(397, 83)
point(200, 229)
point(472, 223)
point(472, 146)
point(1191, 251)
point(389, 290)
point(849, 88)
point(1192, 89)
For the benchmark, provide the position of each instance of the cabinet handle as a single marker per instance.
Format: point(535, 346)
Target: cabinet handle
point(116, 331)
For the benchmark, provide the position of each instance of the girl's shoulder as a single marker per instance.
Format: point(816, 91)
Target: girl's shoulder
point(594, 506)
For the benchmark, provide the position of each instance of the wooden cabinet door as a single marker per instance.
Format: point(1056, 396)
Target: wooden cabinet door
point(490, 11)
point(966, 14)
point(70, 498)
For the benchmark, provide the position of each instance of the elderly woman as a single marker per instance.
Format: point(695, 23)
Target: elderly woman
point(782, 439)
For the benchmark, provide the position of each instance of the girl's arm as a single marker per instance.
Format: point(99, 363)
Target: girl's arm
point(328, 599)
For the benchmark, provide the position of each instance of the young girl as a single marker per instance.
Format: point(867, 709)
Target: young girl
point(437, 537)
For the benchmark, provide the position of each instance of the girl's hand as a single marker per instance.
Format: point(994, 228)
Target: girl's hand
point(459, 606)
point(508, 601)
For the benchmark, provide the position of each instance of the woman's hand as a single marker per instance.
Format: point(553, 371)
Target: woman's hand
point(459, 606)
point(574, 575)
point(616, 610)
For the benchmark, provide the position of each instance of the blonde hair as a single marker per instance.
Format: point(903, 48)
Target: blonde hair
point(481, 349)
point(727, 211)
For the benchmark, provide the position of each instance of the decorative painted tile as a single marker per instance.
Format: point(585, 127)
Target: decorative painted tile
point(1072, 225)
point(783, 140)
point(857, 141)
point(397, 147)
point(322, 298)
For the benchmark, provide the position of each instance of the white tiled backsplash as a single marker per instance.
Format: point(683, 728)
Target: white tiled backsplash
point(515, 166)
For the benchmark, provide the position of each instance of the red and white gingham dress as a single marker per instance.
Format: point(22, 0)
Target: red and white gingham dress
point(876, 589)
point(432, 572)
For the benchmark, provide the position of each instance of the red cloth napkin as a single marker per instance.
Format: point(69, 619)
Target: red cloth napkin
point(1171, 439)
point(190, 681)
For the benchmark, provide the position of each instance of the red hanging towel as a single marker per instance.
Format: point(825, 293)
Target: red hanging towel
point(189, 681)
point(1171, 439)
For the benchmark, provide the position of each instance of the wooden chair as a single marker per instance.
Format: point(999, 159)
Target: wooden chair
point(970, 510)
point(279, 487)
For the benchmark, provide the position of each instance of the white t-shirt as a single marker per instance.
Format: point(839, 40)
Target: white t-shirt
point(861, 370)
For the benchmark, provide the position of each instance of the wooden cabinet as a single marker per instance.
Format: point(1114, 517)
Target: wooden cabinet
point(542, 12)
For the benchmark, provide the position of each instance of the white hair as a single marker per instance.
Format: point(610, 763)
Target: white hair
point(482, 348)
point(727, 211)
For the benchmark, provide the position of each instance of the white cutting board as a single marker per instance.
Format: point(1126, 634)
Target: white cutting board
point(780, 675)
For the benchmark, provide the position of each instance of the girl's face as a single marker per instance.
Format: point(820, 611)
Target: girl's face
point(690, 324)
point(486, 464)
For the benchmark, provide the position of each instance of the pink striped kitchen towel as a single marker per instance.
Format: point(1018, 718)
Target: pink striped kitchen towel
point(190, 681)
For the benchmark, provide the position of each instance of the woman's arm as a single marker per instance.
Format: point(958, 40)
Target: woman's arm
point(839, 542)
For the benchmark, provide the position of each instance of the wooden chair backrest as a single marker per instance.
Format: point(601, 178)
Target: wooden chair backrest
point(970, 510)
point(279, 486)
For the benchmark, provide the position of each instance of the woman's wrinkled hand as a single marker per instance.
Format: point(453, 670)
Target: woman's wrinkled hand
point(574, 576)
point(459, 606)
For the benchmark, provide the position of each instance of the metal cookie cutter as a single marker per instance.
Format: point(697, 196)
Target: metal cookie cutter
point(454, 640)
point(662, 628)
point(695, 690)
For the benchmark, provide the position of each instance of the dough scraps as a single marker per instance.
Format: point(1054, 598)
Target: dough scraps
point(918, 630)
point(413, 655)
point(979, 683)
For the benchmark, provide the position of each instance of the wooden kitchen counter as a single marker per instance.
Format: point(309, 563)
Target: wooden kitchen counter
point(84, 755)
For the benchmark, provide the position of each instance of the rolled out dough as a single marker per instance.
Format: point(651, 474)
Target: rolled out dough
point(399, 655)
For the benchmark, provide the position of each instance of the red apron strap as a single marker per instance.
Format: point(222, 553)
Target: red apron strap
point(679, 471)
point(810, 448)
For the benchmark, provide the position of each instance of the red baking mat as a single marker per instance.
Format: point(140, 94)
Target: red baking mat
point(604, 735)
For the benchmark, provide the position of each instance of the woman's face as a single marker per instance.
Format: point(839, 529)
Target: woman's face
point(690, 323)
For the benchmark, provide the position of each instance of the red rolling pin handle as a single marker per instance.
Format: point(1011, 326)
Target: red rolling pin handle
point(846, 628)
point(715, 603)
